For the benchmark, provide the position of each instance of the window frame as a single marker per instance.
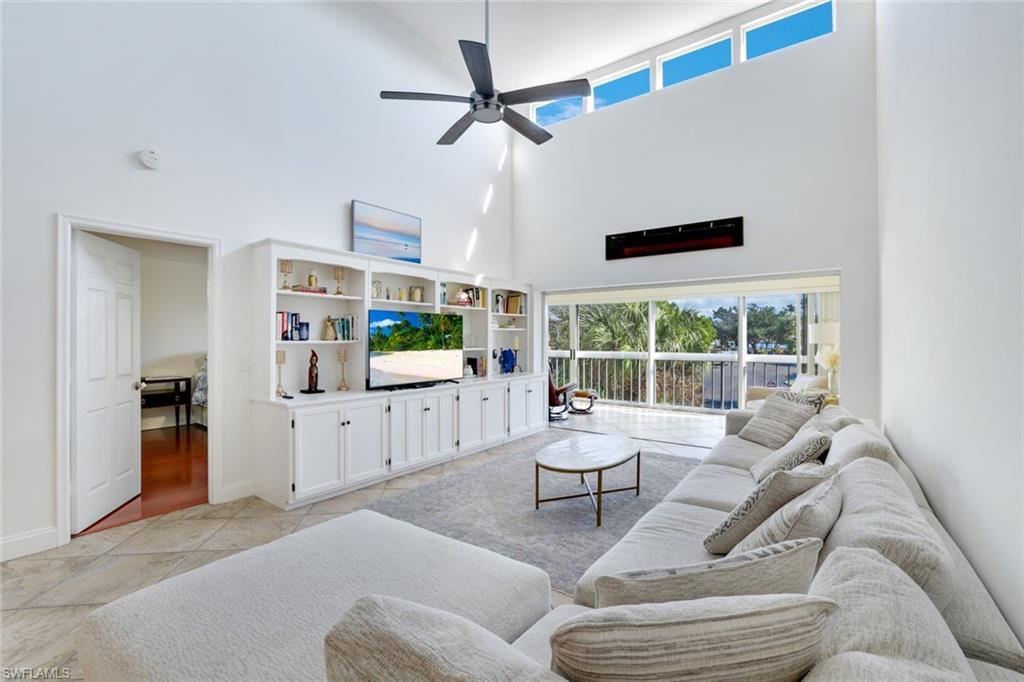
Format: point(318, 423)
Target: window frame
point(744, 29)
point(590, 103)
point(693, 47)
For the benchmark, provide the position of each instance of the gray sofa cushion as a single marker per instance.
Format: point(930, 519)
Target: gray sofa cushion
point(767, 498)
point(886, 628)
point(288, 594)
point(879, 513)
point(988, 672)
point(972, 615)
point(713, 486)
point(767, 637)
point(831, 419)
point(786, 567)
point(536, 642)
point(386, 638)
point(670, 534)
point(737, 419)
point(857, 441)
point(810, 515)
point(778, 420)
point(733, 451)
point(802, 448)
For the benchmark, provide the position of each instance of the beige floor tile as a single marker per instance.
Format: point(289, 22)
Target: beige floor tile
point(208, 511)
point(250, 532)
point(349, 502)
point(412, 480)
point(200, 558)
point(313, 519)
point(170, 536)
point(560, 599)
point(95, 544)
point(22, 580)
point(108, 578)
point(41, 638)
point(258, 507)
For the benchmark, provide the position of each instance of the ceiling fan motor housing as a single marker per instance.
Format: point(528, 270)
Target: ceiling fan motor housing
point(486, 110)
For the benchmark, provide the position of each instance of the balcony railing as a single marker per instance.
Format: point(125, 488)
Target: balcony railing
point(701, 381)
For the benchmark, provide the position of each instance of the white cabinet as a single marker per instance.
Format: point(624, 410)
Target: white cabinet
point(365, 439)
point(536, 402)
point(406, 417)
point(439, 424)
point(471, 417)
point(517, 407)
point(493, 400)
point(319, 452)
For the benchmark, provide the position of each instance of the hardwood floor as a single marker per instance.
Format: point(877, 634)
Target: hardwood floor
point(173, 476)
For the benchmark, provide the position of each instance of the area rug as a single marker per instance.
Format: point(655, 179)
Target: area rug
point(492, 506)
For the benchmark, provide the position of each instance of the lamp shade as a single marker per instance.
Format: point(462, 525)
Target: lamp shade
point(823, 333)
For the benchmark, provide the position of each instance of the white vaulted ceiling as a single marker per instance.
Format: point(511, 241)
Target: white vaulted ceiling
point(537, 42)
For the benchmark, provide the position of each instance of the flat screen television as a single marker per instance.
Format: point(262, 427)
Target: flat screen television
point(407, 349)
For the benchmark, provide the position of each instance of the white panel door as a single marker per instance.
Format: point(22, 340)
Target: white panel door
point(494, 413)
point(439, 424)
point(516, 407)
point(319, 464)
point(106, 445)
point(365, 434)
point(471, 419)
point(536, 402)
point(406, 443)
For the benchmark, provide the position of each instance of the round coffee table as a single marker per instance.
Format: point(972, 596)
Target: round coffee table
point(583, 455)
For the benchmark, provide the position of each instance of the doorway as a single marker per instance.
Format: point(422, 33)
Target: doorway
point(136, 329)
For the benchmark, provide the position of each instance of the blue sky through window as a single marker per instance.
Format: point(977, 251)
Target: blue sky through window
point(622, 88)
point(697, 63)
point(796, 28)
point(559, 110)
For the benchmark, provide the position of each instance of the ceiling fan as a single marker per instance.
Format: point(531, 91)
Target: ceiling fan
point(489, 105)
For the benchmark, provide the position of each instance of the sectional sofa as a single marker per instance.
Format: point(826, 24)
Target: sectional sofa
point(291, 609)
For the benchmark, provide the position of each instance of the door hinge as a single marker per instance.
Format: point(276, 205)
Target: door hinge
point(293, 487)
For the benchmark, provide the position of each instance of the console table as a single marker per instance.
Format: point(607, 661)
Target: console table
point(178, 393)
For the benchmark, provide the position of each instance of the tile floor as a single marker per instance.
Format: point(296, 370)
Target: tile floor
point(670, 428)
point(44, 597)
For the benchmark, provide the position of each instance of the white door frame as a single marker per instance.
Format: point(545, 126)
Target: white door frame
point(65, 327)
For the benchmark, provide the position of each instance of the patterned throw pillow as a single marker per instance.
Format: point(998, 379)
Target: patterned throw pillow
point(782, 568)
point(763, 501)
point(754, 637)
point(831, 419)
point(778, 420)
point(803, 448)
point(815, 399)
point(810, 515)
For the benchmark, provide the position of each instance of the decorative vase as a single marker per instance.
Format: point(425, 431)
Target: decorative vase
point(328, 332)
point(416, 294)
point(832, 382)
point(376, 289)
point(311, 279)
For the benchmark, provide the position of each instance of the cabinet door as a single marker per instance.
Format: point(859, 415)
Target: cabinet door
point(405, 417)
point(318, 452)
point(536, 402)
point(517, 407)
point(365, 434)
point(494, 412)
point(471, 419)
point(439, 424)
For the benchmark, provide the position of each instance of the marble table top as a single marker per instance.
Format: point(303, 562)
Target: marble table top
point(587, 453)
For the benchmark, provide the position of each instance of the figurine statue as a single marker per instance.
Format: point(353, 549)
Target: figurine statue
point(313, 377)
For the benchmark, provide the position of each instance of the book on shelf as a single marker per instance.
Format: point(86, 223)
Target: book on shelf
point(309, 290)
point(346, 326)
point(512, 304)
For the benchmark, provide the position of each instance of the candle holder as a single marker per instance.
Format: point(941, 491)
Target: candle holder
point(280, 392)
point(339, 275)
point(285, 266)
point(342, 359)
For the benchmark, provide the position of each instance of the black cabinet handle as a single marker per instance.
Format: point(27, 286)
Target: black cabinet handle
point(426, 409)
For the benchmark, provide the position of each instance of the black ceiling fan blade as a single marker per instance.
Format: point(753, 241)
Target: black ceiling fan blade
point(579, 87)
point(479, 65)
point(525, 127)
point(455, 132)
point(425, 96)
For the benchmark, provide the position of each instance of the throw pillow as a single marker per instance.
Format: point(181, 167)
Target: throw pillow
point(811, 515)
point(802, 448)
point(770, 637)
point(885, 629)
point(857, 441)
point(386, 638)
point(831, 419)
point(778, 420)
point(763, 501)
point(809, 382)
point(879, 513)
point(783, 568)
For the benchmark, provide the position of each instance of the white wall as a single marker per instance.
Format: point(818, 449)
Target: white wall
point(787, 141)
point(950, 114)
point(173, 305)
point(269, 122)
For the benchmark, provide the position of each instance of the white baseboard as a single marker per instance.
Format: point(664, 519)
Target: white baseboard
point(28, 542)
point(236, 490)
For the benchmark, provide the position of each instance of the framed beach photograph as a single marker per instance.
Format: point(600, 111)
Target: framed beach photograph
point(378, 231)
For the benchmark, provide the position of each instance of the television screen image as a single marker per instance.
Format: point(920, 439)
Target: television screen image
point(382, 232)
point(413, 348)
